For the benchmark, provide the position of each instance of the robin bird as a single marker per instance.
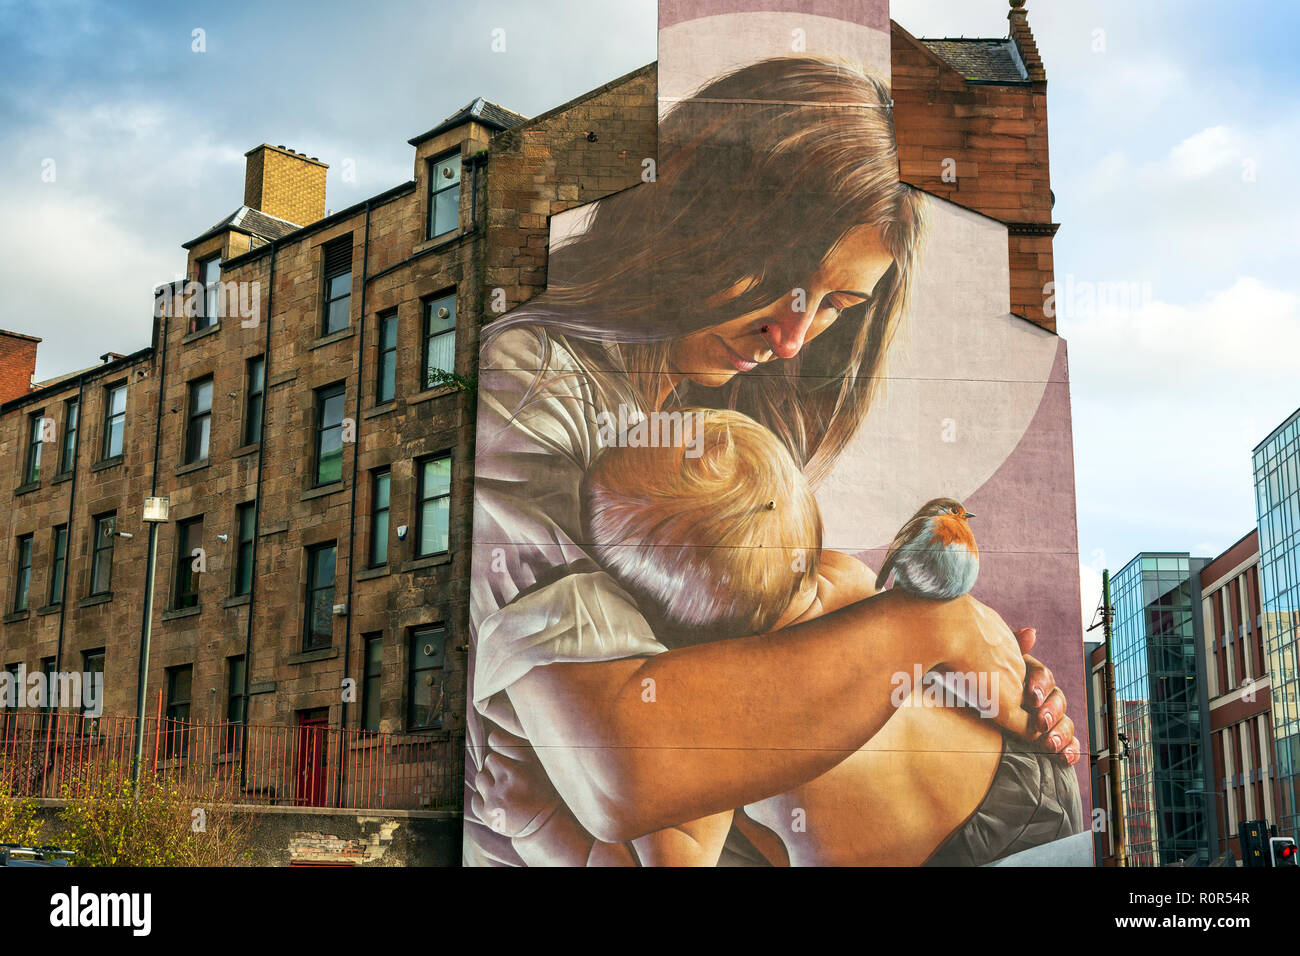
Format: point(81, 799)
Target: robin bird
point(934, 555)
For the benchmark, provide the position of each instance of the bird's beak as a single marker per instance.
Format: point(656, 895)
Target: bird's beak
point(968, 516)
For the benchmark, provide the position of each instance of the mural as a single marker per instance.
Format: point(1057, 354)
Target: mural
point(760, 481)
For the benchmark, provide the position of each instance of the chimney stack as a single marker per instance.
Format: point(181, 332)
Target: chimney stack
point(17, 364)
point(285, 184)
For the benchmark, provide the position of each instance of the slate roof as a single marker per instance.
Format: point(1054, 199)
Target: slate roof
point(480, 110)
point(251, 221)
point(981, 60)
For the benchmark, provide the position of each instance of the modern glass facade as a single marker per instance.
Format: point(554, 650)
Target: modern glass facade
point(1277, 504)
point(1156, 598)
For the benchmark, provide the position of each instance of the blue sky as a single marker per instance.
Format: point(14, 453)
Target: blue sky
point(1173, 140)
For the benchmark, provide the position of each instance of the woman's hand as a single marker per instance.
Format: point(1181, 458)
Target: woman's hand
point(1046, 703)
point(1028, 702)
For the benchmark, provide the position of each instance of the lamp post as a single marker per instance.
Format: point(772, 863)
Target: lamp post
point(155, 513)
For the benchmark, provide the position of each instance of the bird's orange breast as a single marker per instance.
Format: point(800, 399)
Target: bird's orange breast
point(953, 530)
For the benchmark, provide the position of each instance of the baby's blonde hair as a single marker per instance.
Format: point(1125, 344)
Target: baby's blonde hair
point(719, 532)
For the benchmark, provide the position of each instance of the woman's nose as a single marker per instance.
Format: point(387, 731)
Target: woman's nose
point(787, 329)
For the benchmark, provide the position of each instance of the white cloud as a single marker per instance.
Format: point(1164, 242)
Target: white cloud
point(1206, 152)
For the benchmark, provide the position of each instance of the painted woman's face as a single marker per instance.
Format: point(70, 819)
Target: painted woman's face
point(846, 277)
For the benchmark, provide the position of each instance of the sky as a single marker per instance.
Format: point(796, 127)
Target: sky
point(1173, 144)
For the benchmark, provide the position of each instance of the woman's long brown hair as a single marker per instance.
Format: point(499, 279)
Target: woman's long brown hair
point(760, 174)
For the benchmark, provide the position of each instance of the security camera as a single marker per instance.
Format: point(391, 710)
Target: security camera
point(223, 538)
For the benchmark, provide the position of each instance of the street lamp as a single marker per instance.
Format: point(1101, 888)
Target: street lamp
point(155, 513)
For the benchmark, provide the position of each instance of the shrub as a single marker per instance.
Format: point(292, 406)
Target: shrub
point(18, 820)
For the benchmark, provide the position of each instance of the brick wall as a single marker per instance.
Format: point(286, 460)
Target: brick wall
point(285, 184)
point(17, 364)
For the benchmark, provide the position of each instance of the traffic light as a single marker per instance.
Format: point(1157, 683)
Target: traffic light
point(1253, 843)
point(1282, 850)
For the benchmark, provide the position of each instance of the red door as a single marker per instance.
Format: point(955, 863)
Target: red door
point(312, 745)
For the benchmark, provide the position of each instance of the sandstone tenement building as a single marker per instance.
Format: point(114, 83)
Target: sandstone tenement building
point(315, 439)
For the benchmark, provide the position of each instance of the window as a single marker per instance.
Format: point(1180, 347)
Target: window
point(338, 285)
point(253, 399)
point(92, 669)
point(386, 376)
point(101, 561)
point(246, 516)
point(35, 436)
point(9, 723)
point(319, 629)
point(180, 682)
point(198, 430)
point(71, 419)
point(185, 590)
point(51, 685)
point(379, 518)
point(58, 564)
point(210, 279)
point(435, 498)
point(439, 338)
point(374, 645)
point(425, 692)
point(114, 420)
point(23, 579)
point(234, 702)
point(329, 434)
point(444, 195)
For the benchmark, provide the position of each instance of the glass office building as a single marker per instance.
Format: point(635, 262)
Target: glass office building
point(1156, 599)
point(1277, 503)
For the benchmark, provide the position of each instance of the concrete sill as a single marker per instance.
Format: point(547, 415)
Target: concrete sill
point(212, 329)
point(239, 600)
point(431, 561)
point(192, 466)
point(177, 613)
point(333, 337)
point(107, 463)
point(244, 450)
point(308, 657)
point(61, 477)
point(369, 574)
point(49, 609)
point(378, 410)
point(262, 687)
point(24, 489)
point(446, 240)
point(432, 393)
point(322, 491)
point(278, 528)
point(15, 617)
point(281, 378)
point(96, 599)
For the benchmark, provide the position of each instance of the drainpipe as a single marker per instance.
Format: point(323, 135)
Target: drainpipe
point(257, 516)
point(67, 547)
point(352, 507)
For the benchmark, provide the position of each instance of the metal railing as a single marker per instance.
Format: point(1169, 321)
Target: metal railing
point(44, 754)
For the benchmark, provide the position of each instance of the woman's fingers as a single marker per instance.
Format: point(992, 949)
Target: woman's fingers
point(1051, 713)
point(508, 745)
point(1039, 684)
point(1026, 637)
point(1060, 736)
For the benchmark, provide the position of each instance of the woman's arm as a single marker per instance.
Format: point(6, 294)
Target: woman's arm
point(637, 745)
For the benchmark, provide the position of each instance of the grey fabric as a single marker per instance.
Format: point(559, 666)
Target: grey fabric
point(1033, 800)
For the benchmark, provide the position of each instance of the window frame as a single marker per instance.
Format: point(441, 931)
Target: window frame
point(313, 553)
point(235, 702)
point(198, 418)
point(421, 500)
point(254, 398)
point(413, 635)
point(327, 276)
point(431, 199)
point(186, 582)
point(172, 751)
point(58, 564)
point(428, 336)
point(25, 549)
point(245, 508)
point(386, 320)
point(208, 315)
point(32, 460)
point(109, 417)
point(87, 660)
point(71, 427)
point(97, 552)
point(321, 396)
point(376, 538)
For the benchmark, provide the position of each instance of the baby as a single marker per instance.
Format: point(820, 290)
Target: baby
point(721, 536)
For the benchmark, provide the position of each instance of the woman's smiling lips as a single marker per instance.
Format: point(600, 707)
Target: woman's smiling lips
point(739, 361)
